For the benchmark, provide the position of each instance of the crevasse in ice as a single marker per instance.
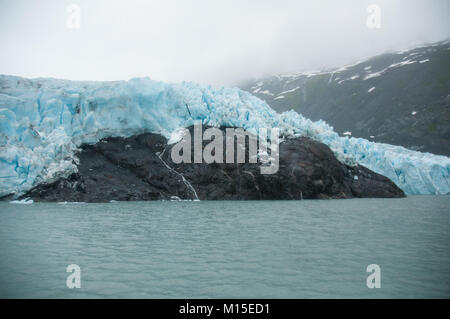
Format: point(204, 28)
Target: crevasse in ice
point(44, 121)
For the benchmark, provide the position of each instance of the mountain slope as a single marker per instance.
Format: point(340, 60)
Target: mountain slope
point(397, 98)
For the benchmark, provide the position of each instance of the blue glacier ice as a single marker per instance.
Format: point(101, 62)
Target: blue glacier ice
point(44, 121)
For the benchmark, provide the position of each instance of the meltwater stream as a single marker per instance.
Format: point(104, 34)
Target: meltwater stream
point(256, 249)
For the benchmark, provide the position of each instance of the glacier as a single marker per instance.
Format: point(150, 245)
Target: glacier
point(44, 121)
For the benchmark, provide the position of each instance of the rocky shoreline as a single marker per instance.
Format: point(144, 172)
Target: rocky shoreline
point(140, 168)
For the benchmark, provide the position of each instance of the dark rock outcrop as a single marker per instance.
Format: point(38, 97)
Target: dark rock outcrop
point(140, 168)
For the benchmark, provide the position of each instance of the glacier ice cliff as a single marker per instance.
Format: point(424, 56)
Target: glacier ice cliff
point(44, 121)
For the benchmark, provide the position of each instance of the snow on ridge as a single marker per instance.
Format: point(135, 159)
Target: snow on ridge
point(394, 65)
point(374, 75)
point(311, 73)
point(289, 91)
point(44, 121)
point(266, 92)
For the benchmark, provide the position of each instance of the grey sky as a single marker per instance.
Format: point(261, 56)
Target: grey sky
point(210, 41)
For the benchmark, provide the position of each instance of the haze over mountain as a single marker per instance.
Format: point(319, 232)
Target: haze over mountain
point(398, 98)
point(211, 42)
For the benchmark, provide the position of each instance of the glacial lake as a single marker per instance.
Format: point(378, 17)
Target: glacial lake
point(227, 249)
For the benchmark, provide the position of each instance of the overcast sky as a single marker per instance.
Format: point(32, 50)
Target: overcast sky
point(220, 42)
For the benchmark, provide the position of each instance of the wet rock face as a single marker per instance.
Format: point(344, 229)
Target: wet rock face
point(119, 169)
point(140, 168)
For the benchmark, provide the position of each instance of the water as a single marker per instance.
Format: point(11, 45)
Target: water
point(266, 249)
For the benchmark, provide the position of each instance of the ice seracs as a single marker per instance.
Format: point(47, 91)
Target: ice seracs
point(44, 121)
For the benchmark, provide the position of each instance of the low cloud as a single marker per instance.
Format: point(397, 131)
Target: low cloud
point(209, 41)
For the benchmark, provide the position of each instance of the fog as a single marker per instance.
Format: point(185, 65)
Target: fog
point(222, 42)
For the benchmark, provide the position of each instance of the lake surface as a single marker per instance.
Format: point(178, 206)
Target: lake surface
point(227, 249)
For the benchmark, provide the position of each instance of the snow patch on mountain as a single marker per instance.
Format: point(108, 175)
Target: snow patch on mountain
point(289, 91)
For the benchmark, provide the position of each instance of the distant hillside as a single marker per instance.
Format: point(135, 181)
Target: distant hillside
point(398, 98)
